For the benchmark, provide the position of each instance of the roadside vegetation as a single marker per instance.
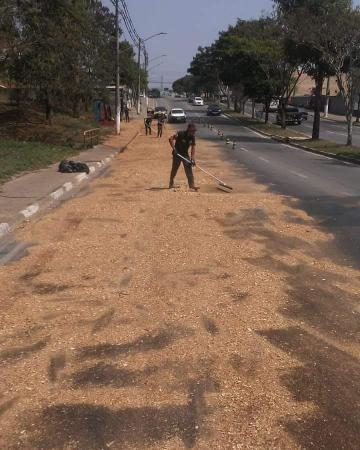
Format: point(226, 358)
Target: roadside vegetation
point(263, 60)
point(56, 59)
point(19, 157)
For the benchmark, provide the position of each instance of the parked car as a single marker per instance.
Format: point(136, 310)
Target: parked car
point(177, 115)
point(293, 116)
point(214, 110)
point(160, 111)
point(198, 101)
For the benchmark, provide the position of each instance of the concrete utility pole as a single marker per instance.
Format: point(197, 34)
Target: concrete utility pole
point(117, 87)
point(146, 84)
point(139, 79)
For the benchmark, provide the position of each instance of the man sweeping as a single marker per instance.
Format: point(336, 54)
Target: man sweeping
point(147, 123)
point(180, 143)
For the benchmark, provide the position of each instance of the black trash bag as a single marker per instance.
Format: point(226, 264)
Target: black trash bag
point(67, 166)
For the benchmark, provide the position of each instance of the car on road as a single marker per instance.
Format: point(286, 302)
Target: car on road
point(293, 116)
point(160, 111)
point(198, 101)
point(214, 110)
point(177, 115)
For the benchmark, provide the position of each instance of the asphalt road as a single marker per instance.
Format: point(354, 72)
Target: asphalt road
point(327, 189)
point(330, 130)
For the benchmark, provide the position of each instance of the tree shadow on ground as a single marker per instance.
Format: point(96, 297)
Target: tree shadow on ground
point(93, 427)
point(148, 342)
point(329, 378)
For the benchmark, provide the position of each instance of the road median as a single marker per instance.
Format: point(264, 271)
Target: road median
point(301, 141)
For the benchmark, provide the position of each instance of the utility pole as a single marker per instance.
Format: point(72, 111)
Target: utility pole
point(139, 80)
point(146, 84)
point(117, 87)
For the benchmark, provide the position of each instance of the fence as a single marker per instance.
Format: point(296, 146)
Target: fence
point(91, 136)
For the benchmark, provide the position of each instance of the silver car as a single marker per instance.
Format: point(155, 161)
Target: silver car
point(177, 115)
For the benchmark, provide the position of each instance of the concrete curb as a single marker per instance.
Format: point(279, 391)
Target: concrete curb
point(296, 145)
point(55, 196)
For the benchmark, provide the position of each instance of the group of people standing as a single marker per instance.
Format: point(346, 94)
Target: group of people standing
point(160, 125)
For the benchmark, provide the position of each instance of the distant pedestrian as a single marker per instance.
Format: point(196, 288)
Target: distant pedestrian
point(160, 125)
point(127, 116)
point(148, 122)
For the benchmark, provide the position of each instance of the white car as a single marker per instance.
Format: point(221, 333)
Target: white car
point(177, 115)
point(198, 101)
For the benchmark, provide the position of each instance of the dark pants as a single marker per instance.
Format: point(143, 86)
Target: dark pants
point(147, 129)
point(160, 130)
point(187, 167)
point(127, 118)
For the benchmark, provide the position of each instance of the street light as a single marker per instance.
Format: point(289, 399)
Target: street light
point(142, 41)
point(154, 67)
point(158, 57)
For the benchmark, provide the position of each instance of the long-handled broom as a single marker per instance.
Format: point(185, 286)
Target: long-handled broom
point(221, 185)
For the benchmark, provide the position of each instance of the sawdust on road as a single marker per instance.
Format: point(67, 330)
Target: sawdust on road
point(148, 318)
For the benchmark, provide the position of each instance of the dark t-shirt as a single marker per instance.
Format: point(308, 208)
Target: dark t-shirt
point(183, 142)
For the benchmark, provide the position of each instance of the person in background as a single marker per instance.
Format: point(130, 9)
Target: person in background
point(148, 122)
point(160, 125)
point(126, 111)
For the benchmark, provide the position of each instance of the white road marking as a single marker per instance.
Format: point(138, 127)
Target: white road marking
point(335, 132)
point(30, 210)
point(79, 178)
point(4, 229)
point(57, 194)
point(347, 194)
point(68, 186)
point(263, 159)
point(245, 149)
point(299, 174)
point(258, 134)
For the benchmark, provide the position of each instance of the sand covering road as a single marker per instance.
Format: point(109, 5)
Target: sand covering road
point(147, 318)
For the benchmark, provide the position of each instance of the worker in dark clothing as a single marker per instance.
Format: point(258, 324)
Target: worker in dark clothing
point(148, 122)
point(126, 110)
point(160, 125)
point(180, 143)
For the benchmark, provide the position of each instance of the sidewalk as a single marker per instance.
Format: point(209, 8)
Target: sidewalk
point(149, 318)
point(27, 194)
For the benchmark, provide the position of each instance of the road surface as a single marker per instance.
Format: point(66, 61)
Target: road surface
point(331, 130)
point(327, 189)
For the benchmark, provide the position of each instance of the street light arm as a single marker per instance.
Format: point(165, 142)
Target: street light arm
point(154, 67)
point(157, 57)
point(154, 35)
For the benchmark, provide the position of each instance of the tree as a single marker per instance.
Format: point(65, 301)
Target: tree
point(335, 35)
point(63, 51)
point(301, 19)
point(258, 55)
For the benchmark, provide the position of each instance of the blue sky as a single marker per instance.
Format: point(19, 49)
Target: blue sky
point(189, 23)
